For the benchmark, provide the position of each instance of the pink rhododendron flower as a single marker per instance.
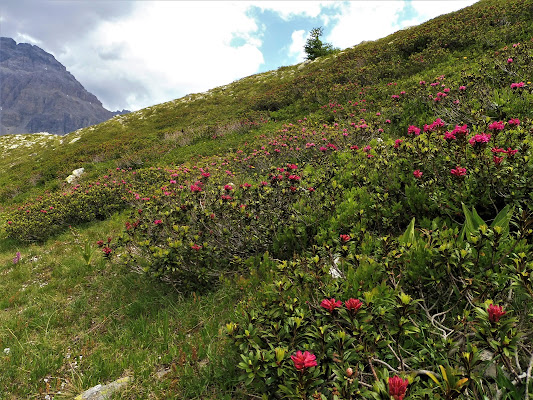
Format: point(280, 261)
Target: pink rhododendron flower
point(417, 173)
point(303, 360)
point(345, 238)
point(330, 304)
point(397, 387)
point(397, 143)
point(497, 160)
point(413, 130)
point(495, 313)
point(497, 126)
point(479, 139)
point(509, 60)
point(460, 130)
point(353, 305)
point(449, 136)
point(514, 122)
point(228, 187)
point(462, 87)
point(458, 171)
point(158, 221)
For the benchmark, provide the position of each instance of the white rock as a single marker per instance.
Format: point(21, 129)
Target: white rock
point(104, 392)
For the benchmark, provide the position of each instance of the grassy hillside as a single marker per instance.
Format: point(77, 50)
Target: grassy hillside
point(359, 226)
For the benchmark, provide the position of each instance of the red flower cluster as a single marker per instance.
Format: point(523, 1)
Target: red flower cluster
point(345, 238)
point(417, 173)
point(458, 171)
point(353, 305)
point(497, 126)
point(331, 304)
point(479, 139)
point(495, 313)
point(303, 360)
point(397, 387)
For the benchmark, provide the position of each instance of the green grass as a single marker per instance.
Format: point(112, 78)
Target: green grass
point(78, 325)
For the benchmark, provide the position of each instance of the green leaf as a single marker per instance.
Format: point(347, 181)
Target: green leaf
point(409, 235)
point(472, 220)
point(503, 219)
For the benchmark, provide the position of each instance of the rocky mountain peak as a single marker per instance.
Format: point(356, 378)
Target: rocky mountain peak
point(38, 94)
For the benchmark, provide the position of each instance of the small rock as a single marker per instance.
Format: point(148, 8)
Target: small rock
point(104, 392)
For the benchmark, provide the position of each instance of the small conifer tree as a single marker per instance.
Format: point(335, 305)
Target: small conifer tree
point(314, 47)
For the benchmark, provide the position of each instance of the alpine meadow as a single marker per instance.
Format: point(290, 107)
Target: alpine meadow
point(357, 226)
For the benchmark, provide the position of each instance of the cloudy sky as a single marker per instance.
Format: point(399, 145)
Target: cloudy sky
point(133, 54)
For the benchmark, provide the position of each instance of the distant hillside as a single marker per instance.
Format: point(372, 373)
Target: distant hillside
point(38, 94)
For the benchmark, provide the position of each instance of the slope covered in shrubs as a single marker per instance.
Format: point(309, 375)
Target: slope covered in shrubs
point(374, 208)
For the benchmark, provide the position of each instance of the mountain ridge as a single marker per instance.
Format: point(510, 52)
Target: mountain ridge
point(38, 94)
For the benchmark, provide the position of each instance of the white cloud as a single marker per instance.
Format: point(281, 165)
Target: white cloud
point(371, 20)
point(364, 20)
point(296, 49)
point(168, 49)
point(25, 38)
point(430, 9)
point(289, 9)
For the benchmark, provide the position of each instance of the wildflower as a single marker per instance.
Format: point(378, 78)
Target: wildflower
point(514, 122)
point(422, 83)
point(17, 258)
point(497, 160)
point(462, 88)
point(517, 85)
point(228, 188)
point(353, 305)
point(449, 136)
point(395, 97)
point(345, 238)
point(497, 126)
point(196, 188)
point(206, 174)
point(349, 372)
point(303, 360)
point(460, 130)
point(458, 171)
point(397, 387)
point(510, 152)
point(107, 251)
point(100, 243)
point(417, 173)
point(196, 247)
point(495, 313)
point(397, 143)
point(413, 130)
point(479, 139)
point(157, 222)
point(330, 304)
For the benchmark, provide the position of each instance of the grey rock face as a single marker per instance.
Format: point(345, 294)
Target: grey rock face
point(38, 94)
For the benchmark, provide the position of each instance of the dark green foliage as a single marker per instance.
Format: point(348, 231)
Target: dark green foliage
point(314, 47)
